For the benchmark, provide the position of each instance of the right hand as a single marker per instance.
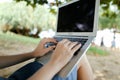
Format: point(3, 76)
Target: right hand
point(64, 51)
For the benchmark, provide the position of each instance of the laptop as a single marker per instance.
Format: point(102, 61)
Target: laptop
point(76, 21)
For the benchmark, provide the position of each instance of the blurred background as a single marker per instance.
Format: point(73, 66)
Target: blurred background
point(24, 22)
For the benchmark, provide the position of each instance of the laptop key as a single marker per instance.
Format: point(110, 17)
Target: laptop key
point(79, 40)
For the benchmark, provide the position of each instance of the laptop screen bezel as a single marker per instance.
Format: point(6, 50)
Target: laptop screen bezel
point(81, 33)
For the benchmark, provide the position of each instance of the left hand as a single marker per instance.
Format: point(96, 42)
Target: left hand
point(41, 50)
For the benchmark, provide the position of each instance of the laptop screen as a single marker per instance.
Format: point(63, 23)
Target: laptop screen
point(76, 17)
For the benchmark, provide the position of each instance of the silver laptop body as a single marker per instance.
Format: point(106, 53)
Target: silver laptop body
point(76, 19)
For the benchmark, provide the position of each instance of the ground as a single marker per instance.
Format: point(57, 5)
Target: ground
point(104, 67)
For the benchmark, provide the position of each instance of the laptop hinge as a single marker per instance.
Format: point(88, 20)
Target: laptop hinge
point(69, 36)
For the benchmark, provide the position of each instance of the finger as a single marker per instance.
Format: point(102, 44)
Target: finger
point(76, 48)
point(67, 43)
point(47, 40)
point(64, 40)
point(73, 44)
point(51, 40)
point(50, 48)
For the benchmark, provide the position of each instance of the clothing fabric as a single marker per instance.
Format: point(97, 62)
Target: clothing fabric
point(29, 69)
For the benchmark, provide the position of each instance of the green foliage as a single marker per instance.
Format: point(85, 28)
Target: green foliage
point(106, 3)
point(34, 2)
point(109, 19)
point(20, 16)
point(107, 16)
point(58, 2)
point(118, 22)
point(11, 14)
point(107, 12)
point(51, 5)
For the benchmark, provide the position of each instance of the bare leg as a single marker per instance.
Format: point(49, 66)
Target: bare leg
point(84, 70)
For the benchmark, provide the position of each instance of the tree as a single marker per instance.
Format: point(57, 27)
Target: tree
point(20, 18)
point(105, 5)
point(107, 16)
point(109, 13)
point(58, 2)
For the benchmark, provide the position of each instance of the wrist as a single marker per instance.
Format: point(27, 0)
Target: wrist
point(55, 65)
point(31, 54)
point(35, 54)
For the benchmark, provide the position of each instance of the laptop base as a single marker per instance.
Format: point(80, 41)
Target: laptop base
point(73, 62)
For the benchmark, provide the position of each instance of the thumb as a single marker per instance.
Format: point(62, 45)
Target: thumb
point(50, 48)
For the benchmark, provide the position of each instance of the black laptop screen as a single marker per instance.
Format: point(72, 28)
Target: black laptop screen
point(76, 17)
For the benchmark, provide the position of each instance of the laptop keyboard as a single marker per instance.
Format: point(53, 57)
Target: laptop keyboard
point(79, 40)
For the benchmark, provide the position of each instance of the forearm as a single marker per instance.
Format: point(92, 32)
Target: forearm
point(40, 50)
point(46, 73)
point(63, 52)
point(6, 61)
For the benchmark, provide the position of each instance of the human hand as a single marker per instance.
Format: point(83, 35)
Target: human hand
point(64, 51)
point(60, 57)
point(41, 49)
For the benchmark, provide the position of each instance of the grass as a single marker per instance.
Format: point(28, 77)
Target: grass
point(97, 51)
point(18, 38)
point(94, 50)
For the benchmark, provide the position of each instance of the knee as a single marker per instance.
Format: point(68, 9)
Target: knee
point(83, 61)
